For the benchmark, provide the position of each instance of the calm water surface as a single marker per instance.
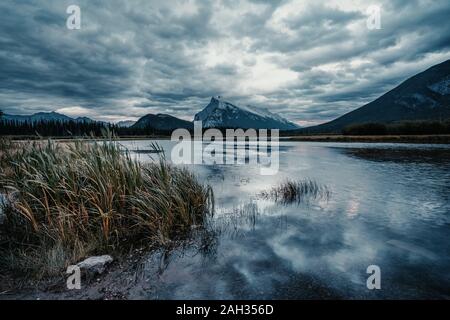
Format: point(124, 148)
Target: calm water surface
point(390, 207)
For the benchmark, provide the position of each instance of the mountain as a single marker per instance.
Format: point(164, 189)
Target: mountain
point(222, 114)
point(84, 119)
point(425, 96)
point(40, 116)
point(162, 122)
point(45, 116)
point(125, 124)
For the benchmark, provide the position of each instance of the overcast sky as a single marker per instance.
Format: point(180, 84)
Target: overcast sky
point(309, 61)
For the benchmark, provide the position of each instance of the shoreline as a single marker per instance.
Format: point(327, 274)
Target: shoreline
point(419, 139)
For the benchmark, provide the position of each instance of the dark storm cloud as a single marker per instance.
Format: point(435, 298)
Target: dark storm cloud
point(310, 61)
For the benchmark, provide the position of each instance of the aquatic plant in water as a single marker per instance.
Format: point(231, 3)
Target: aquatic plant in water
point(290, 191)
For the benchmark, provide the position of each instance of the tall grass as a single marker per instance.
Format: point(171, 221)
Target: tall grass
point(6, 148)
point(82, 198)
point(291, 191)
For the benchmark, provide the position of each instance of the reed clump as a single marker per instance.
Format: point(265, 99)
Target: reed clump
point(83, 198)
point(291, 191)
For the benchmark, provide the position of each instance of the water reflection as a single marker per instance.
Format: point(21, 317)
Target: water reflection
point(388, 208)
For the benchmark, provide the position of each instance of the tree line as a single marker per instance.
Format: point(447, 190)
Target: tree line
point(52, 128)
point(399, 128)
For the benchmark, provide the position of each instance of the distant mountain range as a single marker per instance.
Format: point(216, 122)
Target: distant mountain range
point(54, 116)
point(217, 114)
point(425, 96)
point(46, 116)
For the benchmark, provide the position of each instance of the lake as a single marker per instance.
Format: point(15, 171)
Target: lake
point(389, 206)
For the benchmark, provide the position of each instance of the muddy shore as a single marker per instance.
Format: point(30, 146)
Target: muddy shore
point(124, 279)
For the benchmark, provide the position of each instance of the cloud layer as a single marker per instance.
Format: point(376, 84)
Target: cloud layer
point(309, 61)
